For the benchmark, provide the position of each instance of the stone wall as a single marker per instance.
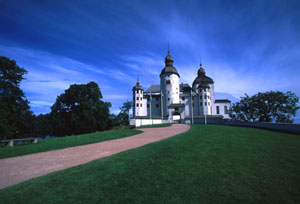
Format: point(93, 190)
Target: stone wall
point(290, 128)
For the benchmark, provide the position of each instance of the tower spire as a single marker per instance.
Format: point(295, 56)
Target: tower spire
point(168, 47)
point(200, 62)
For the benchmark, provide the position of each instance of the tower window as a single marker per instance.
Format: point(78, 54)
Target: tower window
point(176, 109)
point(200, 97)
point(218, 110)
point(147, 105)
point(168, 82)
point(209, 103)
point(156, 105)
point(168, 99)
point(204, 96)
point(137, 105)
point(193, 105)
point(183, 98)
point(141, 105)
point(200, 104)
point(225, 110)
point(168, 92)
point(141, 98)
point(137, 98)
point(156, 98)
point(205, 103)
point(207, 96)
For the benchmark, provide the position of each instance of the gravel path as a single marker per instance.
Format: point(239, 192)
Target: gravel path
point(18, 169)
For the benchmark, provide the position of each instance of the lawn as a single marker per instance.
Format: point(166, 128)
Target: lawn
point(63, 142)
point(207, 164)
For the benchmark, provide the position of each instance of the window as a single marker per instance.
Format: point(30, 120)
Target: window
point(141, 105)
point(183, 98)
point(193, 105)
point(218, 110)
point(200, 104)
point(141, 98)
point(200, 97)
point(137, 98)
point(147, 105)
point(204, 96)
point(205, 103)
point(156, 98)
point(137, 105)
point(156, 105)
point(176, 109)
point(207, 96)
point(225, 110)
point(168, 99)
point(168, 92)
point(168, 82)
point(209, 103)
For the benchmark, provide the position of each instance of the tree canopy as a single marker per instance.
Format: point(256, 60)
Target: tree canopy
point(14, 107)
point(80, 110)
point(272, 106)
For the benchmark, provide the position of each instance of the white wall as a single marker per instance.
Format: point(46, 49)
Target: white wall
point(222, 109)
point(170, 91)
point(141, 122)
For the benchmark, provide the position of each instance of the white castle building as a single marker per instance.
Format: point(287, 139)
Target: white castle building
point(172, 102)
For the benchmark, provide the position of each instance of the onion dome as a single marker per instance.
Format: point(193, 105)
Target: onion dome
point(202, 79)
point(137, 86)
point(169, 68)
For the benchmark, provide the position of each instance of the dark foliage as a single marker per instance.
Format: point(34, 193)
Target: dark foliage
point(15, 116)
point(80, 110)
point(270, 106)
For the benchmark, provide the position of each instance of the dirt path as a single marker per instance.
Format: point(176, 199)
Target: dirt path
point(18, 169)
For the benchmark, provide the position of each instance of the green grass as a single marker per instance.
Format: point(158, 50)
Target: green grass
point(156, 126)
point(63, 142)
point(208, 164)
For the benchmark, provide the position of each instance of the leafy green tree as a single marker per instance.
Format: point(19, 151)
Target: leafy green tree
point(123, 116)
point(15, 115)
point(80, 110)
point(270, 106)
point(42, 125)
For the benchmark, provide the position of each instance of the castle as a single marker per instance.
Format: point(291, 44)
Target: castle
point(172, 102)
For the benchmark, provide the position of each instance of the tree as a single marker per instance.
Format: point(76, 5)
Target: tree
point(270, 106)
point(80, 110)
point(15, 114)
point(123, 116)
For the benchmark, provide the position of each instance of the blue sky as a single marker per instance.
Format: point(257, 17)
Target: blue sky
point(245, 46)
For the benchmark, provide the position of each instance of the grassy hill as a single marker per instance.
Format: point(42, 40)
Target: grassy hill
point(207, 164)
point(64, 142)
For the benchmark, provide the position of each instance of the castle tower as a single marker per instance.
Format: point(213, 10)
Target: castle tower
point(169, 84)
point(204, 87)
point(138, 100)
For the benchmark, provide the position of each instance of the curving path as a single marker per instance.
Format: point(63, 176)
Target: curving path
point(18, 169)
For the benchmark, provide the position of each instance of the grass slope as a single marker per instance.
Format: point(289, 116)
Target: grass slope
point(63, 142)
point(208, 164)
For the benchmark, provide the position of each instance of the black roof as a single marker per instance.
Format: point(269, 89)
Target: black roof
point(169, 68)
point(185, 88)
point(202, 79)
point(153, 89)
point(137, 86)
point(222, 101)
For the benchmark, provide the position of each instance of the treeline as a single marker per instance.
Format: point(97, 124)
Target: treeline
point(80, 109)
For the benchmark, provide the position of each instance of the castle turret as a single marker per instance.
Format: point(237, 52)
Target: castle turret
point(169, 83)
point(138, 100)
point(204, 87)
